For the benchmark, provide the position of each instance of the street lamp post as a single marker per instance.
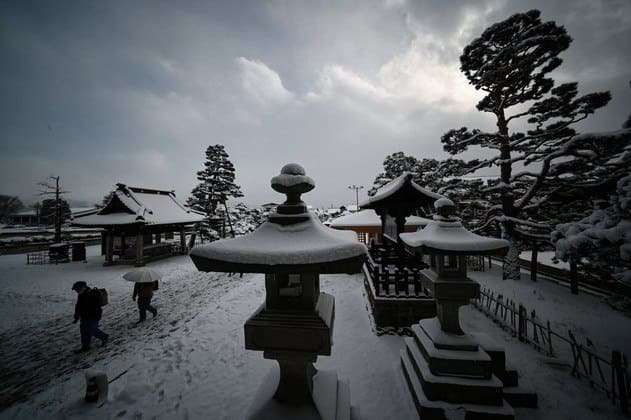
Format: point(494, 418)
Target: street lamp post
point(356, 188)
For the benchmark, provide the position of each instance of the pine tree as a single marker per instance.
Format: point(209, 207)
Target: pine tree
point(601, 242)
point(510, 62)
point(216, 186)
point(393, 166)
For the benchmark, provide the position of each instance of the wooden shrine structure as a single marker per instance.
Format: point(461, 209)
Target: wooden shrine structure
point(136, 220)
point(368, 226)
point(397, 291)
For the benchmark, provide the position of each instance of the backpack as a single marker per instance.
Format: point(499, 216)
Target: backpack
point(102, 296)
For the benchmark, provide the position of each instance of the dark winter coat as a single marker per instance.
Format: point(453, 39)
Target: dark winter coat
point(143, 290)
point(88, 305)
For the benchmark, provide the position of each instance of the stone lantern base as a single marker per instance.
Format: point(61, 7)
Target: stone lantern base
point(446, 372)
point(295, 339)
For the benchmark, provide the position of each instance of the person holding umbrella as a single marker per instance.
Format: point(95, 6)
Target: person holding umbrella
point(146, 281)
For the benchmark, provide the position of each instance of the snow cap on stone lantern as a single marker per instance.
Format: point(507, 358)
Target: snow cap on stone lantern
point(447, 236)
point(292, 240)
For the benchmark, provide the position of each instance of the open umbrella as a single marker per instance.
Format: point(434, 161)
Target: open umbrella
point(142, 275)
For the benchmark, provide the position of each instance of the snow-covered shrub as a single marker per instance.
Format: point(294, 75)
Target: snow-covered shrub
point(601, 240)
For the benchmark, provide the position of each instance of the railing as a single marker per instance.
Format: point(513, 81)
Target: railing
point(37, 258)
point(608, 375)
point(395, 280)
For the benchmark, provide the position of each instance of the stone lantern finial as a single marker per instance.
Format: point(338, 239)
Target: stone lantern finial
point(292, 182)
point(445, 208)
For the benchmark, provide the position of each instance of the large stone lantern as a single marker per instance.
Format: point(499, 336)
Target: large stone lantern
point(447, 368)
point(295, 323)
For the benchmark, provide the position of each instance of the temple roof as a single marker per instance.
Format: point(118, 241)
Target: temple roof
point(368, 218)
point(450, 237)
point(401, 192)
point(135, 205)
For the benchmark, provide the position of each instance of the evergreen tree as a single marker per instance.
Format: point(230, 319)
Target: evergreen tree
point(601, 242)
point(510, 62)
point(9, 205)
point(216, 186)
point(393, 166)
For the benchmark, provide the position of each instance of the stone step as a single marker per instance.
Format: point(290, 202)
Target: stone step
point(453, 388)
point(505, 373)
point(509, 377)
point(343, 410)
point(355, 414)
point(519, 397)
point(436, 410)
point(476, 364)
point(325, 394)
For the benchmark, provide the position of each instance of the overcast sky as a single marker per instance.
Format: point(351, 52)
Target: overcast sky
point(133, 92)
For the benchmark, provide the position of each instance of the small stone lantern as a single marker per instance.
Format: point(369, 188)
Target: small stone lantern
point(292, 249)
point(445, 367)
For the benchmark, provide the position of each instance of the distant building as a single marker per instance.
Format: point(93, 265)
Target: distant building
point(135, 221)
point(268, 207)
point(32, 217)
point(25, 217)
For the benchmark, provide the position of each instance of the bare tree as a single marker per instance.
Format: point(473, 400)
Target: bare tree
point(48, 188)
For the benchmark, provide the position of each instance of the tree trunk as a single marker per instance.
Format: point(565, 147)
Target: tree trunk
point(533, 262)
point(510, 268)
point(573, 276)
point(57, 213)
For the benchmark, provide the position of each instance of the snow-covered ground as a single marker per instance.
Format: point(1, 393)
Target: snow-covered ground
point(190, 362)
point(586, 315)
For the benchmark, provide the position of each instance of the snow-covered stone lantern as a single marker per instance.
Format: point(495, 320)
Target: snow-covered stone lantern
point(447, 368)
point(295, 324)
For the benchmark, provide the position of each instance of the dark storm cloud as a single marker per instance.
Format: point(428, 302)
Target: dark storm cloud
point(106, 92)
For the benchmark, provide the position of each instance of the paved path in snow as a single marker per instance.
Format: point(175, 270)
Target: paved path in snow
point(31, 356)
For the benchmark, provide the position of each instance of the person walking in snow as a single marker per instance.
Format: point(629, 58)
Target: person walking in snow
point(88, 311)
point(144, 292)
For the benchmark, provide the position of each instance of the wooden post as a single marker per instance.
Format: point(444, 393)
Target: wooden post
point(103, 242)
point(616, 366)
point(123, 246)
point(521, 323)
point(109, 247)
point(550, 349)
point(573, 276)
point(533, 262)
point(139, 249)
point(183, 249)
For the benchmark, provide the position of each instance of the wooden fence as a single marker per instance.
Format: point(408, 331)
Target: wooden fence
point(397, 281)
point(608, 375)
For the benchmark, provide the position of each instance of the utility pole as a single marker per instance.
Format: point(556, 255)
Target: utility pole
point(54, 189)
point(356, 188)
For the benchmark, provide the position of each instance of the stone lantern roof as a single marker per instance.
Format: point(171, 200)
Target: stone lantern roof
point(446, 235)
point(293, 240)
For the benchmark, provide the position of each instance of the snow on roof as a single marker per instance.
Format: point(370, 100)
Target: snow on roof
point(80, 211)
point(308, 242)
point(25, 213)
point(452, 236)
point(395, 185)
point(139, 205)
point(370, 218)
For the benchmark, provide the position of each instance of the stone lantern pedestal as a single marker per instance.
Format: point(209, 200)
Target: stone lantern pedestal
point(295, 323)
point(294, 326)
point(446, 368)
